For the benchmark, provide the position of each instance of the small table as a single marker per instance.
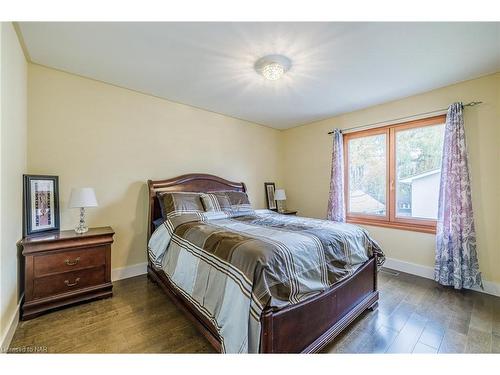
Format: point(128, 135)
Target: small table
point(65, 267)
point(288, 212)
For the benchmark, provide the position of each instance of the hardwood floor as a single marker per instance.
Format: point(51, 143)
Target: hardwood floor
point(415, 315)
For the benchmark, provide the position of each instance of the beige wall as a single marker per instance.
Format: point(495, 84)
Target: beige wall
point(13, 109)
point(306, 159)
point(94, 134)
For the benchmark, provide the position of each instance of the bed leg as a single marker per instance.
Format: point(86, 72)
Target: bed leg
point(150, 277)
point(373, 306)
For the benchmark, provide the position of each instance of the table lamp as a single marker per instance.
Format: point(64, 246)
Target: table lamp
point(81, 198)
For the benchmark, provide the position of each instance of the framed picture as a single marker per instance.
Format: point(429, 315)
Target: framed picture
point(40, 204)
point(271, 202)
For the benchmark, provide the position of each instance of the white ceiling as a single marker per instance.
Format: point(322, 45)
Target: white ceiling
point(337, 67)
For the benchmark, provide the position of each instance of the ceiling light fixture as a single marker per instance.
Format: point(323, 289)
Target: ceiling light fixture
point(273, 71)
point(272, 67)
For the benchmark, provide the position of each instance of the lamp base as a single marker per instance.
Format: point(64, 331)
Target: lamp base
point(82, 228)
point(281, 206)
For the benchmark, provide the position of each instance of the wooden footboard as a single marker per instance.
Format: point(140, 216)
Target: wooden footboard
point(302, 328)
point(308, 326)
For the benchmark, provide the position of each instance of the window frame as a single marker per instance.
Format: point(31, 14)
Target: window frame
point(390, 220)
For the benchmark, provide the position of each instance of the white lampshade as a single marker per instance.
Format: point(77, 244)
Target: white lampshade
point(280, 195)
point(82, 197)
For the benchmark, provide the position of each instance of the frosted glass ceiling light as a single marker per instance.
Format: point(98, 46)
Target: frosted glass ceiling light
point(273, 71)
point(272, 67)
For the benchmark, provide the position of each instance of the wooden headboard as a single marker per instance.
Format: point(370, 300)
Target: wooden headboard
point(197, 182)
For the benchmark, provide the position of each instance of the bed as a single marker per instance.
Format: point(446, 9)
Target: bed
point(305, 326)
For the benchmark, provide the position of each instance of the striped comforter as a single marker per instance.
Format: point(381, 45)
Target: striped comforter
point(232, 268)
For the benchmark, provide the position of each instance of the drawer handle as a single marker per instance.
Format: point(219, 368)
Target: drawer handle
point(72, 262)
point(72, 284)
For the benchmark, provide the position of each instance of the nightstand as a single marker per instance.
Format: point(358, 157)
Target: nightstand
point(65, 267)
point(288, 212)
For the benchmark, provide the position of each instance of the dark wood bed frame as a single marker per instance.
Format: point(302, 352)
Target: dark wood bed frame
point(302, 328)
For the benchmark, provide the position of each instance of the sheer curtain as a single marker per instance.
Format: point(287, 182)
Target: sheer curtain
point(456, 258)
point(336, 208)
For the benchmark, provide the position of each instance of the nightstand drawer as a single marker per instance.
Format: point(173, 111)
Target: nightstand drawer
point(68, 261)
point(68, 282)
point(63, 268)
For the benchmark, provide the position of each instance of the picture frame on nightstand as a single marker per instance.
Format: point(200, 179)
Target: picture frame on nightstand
point(40, 204)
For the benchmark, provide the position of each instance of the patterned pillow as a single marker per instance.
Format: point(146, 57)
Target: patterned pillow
point(217, 201)
point(234, 203)
point(179, 203)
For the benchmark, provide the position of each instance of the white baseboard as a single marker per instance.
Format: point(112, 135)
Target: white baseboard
point(428, 273)
point(14, 321)
point(411, 268)
point(129, 271)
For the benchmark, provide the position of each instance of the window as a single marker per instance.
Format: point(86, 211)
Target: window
point(392, 174)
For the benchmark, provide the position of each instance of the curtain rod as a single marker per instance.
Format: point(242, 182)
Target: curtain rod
point(471, 104)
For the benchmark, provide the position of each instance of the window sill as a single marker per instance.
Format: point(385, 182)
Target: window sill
point(431, 229)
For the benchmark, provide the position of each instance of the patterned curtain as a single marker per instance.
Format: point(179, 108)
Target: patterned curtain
point(336, 208)
point(456, 257)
